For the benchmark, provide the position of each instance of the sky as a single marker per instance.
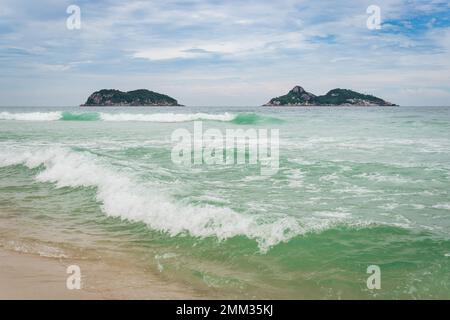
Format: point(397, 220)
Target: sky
point(223, 53)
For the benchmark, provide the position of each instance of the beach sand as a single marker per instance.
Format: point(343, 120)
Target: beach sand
point(26, 276)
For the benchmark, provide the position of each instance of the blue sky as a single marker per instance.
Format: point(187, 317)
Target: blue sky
point(208, 52)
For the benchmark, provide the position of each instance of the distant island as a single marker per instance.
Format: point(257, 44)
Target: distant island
point(141, 97)
point(336, 97)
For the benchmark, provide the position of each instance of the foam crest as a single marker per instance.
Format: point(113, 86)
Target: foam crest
point(166, 117)
point(117, 117)
point(240, 118)
point(31, 116)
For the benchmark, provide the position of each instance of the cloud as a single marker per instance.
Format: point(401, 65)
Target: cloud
point(234, 50)
point(244, 46)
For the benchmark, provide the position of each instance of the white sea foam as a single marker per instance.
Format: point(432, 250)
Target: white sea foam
point(337, 214)
point(118, 117)
point(166, 117)
point(31, 116)
point(396, 178)
point(445, 206)
point(35, 248)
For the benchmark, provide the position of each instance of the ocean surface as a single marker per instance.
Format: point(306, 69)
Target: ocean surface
point(355, 187)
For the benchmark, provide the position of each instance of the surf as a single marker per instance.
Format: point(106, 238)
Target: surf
point(122, 196)
point(240, 118)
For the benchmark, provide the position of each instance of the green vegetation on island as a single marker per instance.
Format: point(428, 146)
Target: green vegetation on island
point(336, 97)
point(141, 97)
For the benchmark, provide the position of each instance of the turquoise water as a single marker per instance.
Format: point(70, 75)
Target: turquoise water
point(355, 187)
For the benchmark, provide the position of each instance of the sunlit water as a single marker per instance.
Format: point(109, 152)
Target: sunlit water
point(355, 187)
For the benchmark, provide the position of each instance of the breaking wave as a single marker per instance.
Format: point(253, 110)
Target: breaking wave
point(241, 118)
point(121, 196)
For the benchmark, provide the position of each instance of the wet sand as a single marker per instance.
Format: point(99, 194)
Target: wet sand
point(26, 276)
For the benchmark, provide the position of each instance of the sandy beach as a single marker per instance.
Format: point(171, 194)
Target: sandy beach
point(26, 276)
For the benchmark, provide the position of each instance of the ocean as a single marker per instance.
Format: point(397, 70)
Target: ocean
point(356, 187)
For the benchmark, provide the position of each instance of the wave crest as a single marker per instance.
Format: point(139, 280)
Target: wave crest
point(165, 117)
point(119, 117)
point(241, 118)
point(31, 116)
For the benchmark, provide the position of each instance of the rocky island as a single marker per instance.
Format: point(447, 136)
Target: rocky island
point(336, 97)
point(141, 97)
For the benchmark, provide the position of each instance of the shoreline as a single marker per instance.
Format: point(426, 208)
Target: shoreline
point(27, 276)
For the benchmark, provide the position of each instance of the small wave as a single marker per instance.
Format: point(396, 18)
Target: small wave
point(445, 206)
point(376, 177)
point(35, 248)
point(253, 118)
point(31, 116)
point(166, 117)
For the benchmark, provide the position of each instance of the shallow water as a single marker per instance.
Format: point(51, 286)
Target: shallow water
point(355, 187)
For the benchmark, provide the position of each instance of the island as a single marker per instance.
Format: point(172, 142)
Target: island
point(336, 97)
point(141, 97)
